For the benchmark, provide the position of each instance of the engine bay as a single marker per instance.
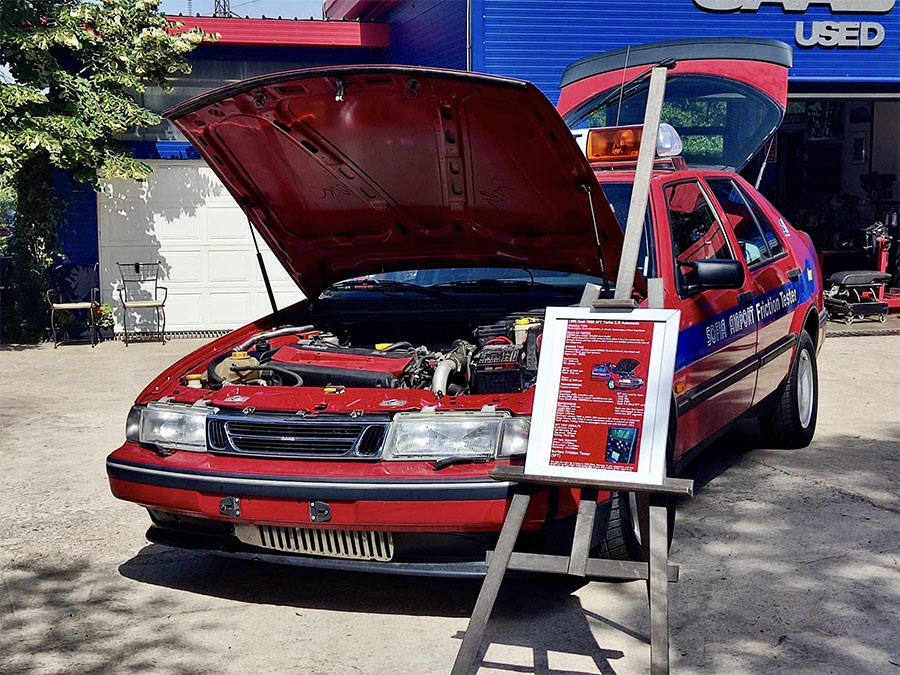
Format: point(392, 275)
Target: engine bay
point(501, 357)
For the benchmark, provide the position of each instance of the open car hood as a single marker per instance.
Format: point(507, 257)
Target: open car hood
point(626, 365)
point(356, 170)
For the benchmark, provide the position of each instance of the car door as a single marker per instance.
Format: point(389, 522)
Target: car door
point(773, 277)
point(714, 381)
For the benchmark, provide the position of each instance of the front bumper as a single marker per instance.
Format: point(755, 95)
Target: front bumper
point(414, 504)
point(442, 523)
point(449, 555)
point(254, 485)
point(378, 496)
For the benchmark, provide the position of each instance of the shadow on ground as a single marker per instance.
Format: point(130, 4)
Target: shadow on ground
point(514, 622)
point(70, 616)
point(6, 347)
point(788, 556)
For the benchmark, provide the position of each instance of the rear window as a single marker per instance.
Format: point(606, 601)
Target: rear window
point(775, 245)
point(721, 122)
point(754, 233)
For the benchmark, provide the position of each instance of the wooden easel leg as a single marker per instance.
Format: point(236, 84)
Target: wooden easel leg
point(468, 650)
point(659, 590)
point(642, 499)
point(584, 528)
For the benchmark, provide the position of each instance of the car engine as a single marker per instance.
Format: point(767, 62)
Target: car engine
point(497, 358)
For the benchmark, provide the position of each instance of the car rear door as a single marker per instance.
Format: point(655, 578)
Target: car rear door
point(773, 274)
point(715, 364)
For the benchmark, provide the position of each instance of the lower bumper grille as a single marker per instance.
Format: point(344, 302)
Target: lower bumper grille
point(349, 544)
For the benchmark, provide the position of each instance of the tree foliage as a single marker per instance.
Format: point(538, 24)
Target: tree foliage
point(75, 67)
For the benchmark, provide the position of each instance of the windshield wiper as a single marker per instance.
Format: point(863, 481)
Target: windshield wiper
point(382, 285)
point(457, 459)
point(492, 283)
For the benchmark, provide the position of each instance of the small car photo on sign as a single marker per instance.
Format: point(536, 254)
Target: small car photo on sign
point(619, 375)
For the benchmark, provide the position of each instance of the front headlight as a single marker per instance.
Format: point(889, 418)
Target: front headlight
point(427, 436)
point(515, 437)
point(168, 425)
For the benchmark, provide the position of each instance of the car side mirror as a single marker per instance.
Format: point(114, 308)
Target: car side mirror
point(705, 274)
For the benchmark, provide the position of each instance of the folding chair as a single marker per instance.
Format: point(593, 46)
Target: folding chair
point(134, 293)
point(71, 284)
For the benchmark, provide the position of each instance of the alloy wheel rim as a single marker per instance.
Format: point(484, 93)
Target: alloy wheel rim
point(633, 512)
point(805, 391)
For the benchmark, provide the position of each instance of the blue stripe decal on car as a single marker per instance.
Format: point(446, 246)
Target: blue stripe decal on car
point(702, 339)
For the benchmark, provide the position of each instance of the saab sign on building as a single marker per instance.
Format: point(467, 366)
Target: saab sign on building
point(832, 33)
point(849, 43)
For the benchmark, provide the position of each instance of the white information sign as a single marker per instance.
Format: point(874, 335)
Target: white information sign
point(601, 408)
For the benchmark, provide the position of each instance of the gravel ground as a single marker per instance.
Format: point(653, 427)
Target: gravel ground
point(789, 558)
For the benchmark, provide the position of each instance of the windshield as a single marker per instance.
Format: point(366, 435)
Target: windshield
point(462, 277)
point(619, 197)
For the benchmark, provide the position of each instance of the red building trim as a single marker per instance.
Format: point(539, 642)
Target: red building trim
point(356, 9)
point(290, 33)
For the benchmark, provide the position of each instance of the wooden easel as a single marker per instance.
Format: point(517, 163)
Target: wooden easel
point(652, 514)
point(656, 569)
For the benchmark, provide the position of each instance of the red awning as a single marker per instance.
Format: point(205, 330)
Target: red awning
point(290, 32)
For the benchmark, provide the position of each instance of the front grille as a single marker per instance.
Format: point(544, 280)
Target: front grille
point(277, 436)
point(349, 544)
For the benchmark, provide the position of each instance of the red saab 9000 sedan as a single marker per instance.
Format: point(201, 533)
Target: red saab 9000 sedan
point(430, 217)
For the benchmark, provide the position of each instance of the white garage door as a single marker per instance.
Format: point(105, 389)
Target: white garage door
point(183, 217)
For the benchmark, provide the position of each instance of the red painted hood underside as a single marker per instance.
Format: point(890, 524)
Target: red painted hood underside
point(356, 170)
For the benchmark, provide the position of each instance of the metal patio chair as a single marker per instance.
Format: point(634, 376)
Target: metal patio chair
point(134, 293)
point(71, 285)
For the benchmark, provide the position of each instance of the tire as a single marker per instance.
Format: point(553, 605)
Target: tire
point(622, 540)
point(792, 423)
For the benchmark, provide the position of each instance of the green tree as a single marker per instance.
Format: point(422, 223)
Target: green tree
point(75, 67)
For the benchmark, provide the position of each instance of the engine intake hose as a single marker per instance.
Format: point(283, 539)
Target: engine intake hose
point(277, 332)
point(442, 371)
point(298, 381)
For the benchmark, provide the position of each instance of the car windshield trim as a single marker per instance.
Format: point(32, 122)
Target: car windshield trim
point(447, 280)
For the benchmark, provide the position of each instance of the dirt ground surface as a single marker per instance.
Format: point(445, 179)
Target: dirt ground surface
point(789, 558)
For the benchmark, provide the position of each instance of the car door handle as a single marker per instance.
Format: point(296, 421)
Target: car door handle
point(746, 297)
point(794, 274)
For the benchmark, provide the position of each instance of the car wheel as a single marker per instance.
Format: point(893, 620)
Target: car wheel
point(623, 533)
point(611, 384)
point(792, 423)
